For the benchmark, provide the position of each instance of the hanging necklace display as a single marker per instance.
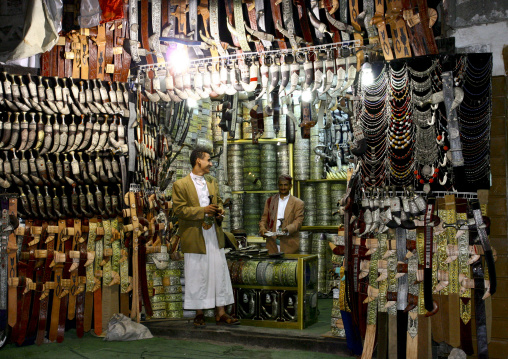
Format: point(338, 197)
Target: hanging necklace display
point(474, 115)
point(401, 132)
point(372, 112)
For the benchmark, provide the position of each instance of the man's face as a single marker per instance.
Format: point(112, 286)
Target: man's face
point(284, 187)
point(204, 163)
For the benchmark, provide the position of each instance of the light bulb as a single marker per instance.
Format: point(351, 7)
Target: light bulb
point(178, 58)
point(367, 75)
point(307, 96)
point(192, 103)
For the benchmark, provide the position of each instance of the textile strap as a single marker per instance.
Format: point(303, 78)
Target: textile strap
point(429, 231)
point(402, 290)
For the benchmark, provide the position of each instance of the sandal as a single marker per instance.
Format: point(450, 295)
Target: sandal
point(226, 320)
point(199, 321)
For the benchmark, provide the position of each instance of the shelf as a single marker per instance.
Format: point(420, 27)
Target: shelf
point(325, 180)
point(261, 140)
point(320, 228)
point(239, 192)
point(253, 239)
point(264, 287)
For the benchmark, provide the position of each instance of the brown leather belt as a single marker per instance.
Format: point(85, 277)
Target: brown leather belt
point(109, 50)
point(25, 270)
point(68, 62)
point(65, 285)
point(328, 5)
point(12, 268)
point(251, 10)
point(101, 49)
point(44, 301)
point(144, 30)
point(117, 50)
point(58, 268)
point(97, 294)
point(80, 296)
point(277, 18)
point(46, 63)
point(126, 58)
point(92, 59)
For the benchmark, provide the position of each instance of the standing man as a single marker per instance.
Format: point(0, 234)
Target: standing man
point(197, 205)
point(282, 212)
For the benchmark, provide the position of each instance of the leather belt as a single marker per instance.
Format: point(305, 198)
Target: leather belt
point(400, 37)
point(466, 341)
point(277, 19)
point(422, 37)
point(90, 278)
point(402, 290)
point(428, 255)
point(329, 8)
point(343, 18)
point(126, 56)
point(144, 30)
point(49, 241)
point(480, 312)
point(65, 283)
point(97, 289)
point(412, 308)
point(109, 51)
point(80, 295)
point(58, 269)
point(251, 11)
point(452, 121)
point(214, 26)
point(379, 20)
point(12, 266)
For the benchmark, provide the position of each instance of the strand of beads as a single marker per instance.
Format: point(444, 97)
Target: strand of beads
point(372, 113)
point(474, 115)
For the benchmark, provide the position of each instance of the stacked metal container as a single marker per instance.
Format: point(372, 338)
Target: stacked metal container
point(174, 281)
point(337, 327)
point(268, 131)
point(301, 158)
point(282, 159)
point(237, 211)
point(310, 203)
point(244, 113)
point(224, 189)
point(235, 167)
point(316, 162)
point(322, 249)
point(305, 242)
point(337, 191)
point(216, 118)
point(251, 213)
point(251, 169)
point(268, 161)
point(323, 208)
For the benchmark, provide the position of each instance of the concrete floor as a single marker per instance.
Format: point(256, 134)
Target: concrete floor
point(179, 339)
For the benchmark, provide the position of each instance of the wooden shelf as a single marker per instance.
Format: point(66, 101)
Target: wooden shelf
point(272, 191)
point(325, 180)
point(320, 228)
point(254, 239)
point(261, 141)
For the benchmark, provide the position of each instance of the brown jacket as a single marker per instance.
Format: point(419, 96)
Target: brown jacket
point(190, 214)
point(293, 219)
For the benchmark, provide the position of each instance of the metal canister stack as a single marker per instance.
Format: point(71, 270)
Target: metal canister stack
point(310, 203)
point(235, 167)
point(237, 211)
point(337, 190)
point(323, 207)
point(305, 242)
point(301, 158)
point(268, 161)
point(251, 213)
point(315, 162)
point(282, 159)
point(251, 168)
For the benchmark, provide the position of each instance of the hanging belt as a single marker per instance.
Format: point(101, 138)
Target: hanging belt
point(117, 49)
point(398, 27)
point(97, 289)
point(109, 56)
point(90, 279)
point(126, 56)
point(277, 18)
point(402, 291)
point(453, 123)
point(65, 282)
point(80, 295)
point(251, 11)
point(214, 26)
point(12, 267)
point(144, 30)
point(466, 341)
point(372, 308)
point(379, 20)
point(25, 270)
point(428, 255)
point(368, 9)
point(412, 308)
point(480, 313)
point(58, 269)
point(484, 240)
point(71, 314)
point(382, 316)
point(329, 8)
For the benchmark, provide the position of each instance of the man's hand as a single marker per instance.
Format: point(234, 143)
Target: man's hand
point(220, 214)
point(211, 209)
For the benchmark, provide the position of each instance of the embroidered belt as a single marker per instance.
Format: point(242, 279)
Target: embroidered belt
point(452, 122)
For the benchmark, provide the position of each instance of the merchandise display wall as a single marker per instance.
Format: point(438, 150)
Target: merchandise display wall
point(385, 133)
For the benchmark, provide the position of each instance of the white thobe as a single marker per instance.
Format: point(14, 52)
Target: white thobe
point(280, 215)
point(207, 281)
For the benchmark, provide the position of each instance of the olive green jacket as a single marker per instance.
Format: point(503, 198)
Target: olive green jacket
point(191, 215)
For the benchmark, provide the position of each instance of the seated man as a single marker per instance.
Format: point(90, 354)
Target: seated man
point(283, 212)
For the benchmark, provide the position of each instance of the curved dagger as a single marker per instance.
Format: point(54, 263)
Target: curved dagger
point(83, 169)
point(56, 136)
point(285, 75)
point(264, 80)
point(91, 171)
point(263, 36)
point(34, 173)
point(49, 204)
point(78, 138)
point(295, 77)
point(71, 135)
point(321, 27)
point(88, 135)
point(82, 204)
point(217, 84)
point(230, 86)
point(95, 136)
point(75, 169)
point(179, 87)
point(188, 88)
point(340, 63)
point(293, 39)
point(7, 129)
point(253, 79)
point(41, 168)
point(32, 133)
point(275, 75)
point(14, 132)
point(198, 85)
point(170, 87)
point(64, 134)
point(318, 75)
point(50, 166)
point(340, 25)
point(103, 137)
point(330, 73)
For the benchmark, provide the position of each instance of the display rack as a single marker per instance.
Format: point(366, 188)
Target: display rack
point(307, 314)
